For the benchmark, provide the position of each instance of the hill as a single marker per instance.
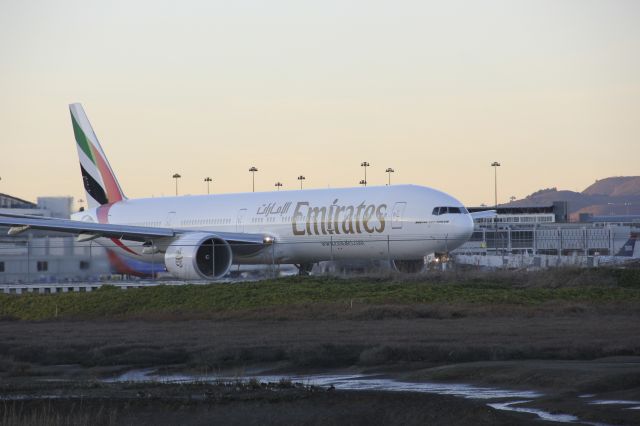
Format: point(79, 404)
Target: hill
point(612, 195)
point(624, 186)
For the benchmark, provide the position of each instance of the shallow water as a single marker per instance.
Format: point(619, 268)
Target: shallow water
point(28, 397)
point(340, 381)
point(370, 382)
point(362, 382)
point(509, 406)
point(613, 402)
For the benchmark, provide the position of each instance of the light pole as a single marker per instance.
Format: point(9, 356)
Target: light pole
point(301, 178)
point(208, 180)
point(613, 208)
point(253, 171)
point(365, 165)
point(278, 185)
point(176, 176)
point(495, 166)
point(389, 171)
point(363, 182)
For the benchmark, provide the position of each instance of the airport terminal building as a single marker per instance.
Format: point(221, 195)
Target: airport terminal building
point(542, 237)
point(47, 257)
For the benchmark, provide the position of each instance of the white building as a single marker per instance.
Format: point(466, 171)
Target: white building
point(38, 256)
point(523, 237)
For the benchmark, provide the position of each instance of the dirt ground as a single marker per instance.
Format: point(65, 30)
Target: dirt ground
point(565, 353)
point(232, 404)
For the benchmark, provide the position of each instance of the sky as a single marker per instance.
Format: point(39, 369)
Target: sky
point(436, 90)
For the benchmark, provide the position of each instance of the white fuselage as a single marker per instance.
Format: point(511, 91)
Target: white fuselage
point(384, 222)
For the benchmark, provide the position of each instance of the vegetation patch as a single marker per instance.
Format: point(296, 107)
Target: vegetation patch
point(574, 286)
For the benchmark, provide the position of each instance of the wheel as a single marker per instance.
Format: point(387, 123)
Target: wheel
point(304, 268)
point(414, 266)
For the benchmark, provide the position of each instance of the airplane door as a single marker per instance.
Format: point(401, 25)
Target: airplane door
point(169, 221)
point(240, 220)
point(396, 214)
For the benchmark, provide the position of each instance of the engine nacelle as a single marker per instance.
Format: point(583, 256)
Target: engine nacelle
point(198, 256)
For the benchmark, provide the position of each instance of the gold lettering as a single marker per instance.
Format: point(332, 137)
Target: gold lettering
point(368, 213)
point(347, 223)
point(337, 219)
point(315, 212)
point(295, 216)
point(327, 220)
point(382, 208)
point(330, 217)
point(358, 213)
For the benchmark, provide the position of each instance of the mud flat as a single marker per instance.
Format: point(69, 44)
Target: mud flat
point(238, 404)
point(573, 340)
point(572, 361)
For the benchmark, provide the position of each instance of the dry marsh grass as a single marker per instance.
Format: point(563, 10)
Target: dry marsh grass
point(207, 345)
point(329, 322)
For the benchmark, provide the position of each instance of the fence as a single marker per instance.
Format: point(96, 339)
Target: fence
point(64, 260)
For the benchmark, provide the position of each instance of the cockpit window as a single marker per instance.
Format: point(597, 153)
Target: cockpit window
point(437, 211)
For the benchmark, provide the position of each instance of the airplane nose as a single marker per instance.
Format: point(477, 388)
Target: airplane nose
point(469, 226)
point(465, 228)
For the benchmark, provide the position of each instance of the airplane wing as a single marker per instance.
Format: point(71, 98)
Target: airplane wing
point(21, 223)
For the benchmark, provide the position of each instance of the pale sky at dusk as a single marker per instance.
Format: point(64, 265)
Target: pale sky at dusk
point(436, 90)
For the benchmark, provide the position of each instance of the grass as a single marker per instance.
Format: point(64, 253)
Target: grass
point(471, 288)
point(50, 413)
point(327, 322)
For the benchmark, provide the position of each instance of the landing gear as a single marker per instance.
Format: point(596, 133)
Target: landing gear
point(442, 257)
point(304, 269)
point(441, 261)
point(414, 266)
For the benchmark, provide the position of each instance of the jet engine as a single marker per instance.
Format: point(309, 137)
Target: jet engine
point(198, 256)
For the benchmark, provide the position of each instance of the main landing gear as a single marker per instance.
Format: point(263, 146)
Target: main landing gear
point(409, 266)
point(304, 269)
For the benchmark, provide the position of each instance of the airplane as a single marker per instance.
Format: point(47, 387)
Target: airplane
point(200, 237)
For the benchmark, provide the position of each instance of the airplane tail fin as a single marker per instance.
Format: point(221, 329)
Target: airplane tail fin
point(627, 250)
point(100, 183)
